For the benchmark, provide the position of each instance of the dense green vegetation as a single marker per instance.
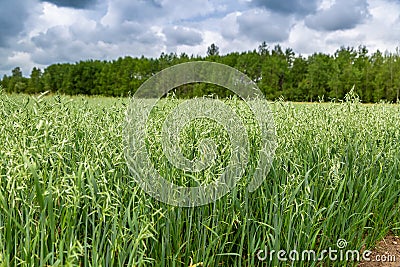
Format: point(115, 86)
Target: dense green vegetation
point(67, 198)
point(278, 72)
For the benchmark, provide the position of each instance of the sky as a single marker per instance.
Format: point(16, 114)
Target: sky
point(40, 33)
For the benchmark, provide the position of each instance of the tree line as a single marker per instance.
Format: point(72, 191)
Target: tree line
point(278, 73)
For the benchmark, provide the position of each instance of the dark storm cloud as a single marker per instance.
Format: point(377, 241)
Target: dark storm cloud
point(88, 40)
point(342, 15)
point(55, 36)
point(79, 4)
point(125, 31)
point(162, 12)
point(137, 10)
point(300, 7)
point(182, 36)
point(12, 18)
point(264, 26)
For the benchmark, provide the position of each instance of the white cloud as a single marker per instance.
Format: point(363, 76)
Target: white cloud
point(383, 29)
point(39, 33)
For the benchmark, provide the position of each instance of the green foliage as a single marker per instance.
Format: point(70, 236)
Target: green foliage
point(279, 73)
point(67, 198)
point(212, 50)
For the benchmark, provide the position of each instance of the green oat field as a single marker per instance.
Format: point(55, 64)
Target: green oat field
point(67, 197)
